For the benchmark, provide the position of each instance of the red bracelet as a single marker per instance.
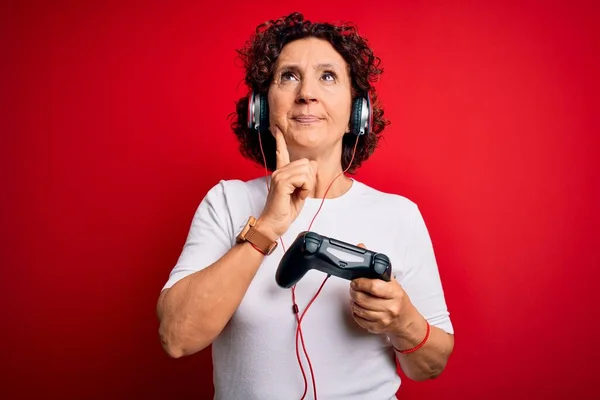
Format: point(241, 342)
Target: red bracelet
point(417, 347)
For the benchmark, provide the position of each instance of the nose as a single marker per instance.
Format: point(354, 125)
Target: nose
point(307, 92)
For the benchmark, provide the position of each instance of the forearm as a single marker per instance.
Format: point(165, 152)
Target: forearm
point(194, 311)
point(428, 361)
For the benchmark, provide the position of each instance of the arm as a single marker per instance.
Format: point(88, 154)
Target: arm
point(194, 311)
point(199, 303)
point(423, 298)
point(402, 311)
point(428, 361)
point(384, 308)
point(210, 279)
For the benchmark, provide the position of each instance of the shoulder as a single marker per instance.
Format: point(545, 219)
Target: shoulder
point(228, 203)
point(233, 200)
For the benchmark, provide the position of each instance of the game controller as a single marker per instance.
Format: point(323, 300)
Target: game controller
point(313, 251)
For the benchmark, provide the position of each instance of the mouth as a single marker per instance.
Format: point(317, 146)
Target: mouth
point(306, 119)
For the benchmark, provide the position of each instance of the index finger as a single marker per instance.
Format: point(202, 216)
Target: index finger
point(282, 157)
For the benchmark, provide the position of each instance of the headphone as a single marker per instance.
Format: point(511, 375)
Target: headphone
point(361, 118)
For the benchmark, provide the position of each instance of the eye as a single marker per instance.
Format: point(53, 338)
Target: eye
point(287, 76)
point(329, 76)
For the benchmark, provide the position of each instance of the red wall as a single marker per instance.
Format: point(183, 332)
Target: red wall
point(114, 125)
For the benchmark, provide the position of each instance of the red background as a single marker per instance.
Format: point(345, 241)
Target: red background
point(114, 125)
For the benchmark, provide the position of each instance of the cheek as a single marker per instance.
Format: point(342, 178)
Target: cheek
point(276, 114)
point(277, 111)
point(339, 108)
point(279, 103)
point(341, 115)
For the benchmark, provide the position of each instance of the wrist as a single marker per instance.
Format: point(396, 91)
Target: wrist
point(257, 236)
point(255, 249)
point(407, 346)
point(266, 229)
point(410, 332)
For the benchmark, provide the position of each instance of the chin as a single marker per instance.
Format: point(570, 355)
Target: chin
point(307, 139)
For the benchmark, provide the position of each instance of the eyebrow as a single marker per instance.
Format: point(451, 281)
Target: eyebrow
point(318, 67)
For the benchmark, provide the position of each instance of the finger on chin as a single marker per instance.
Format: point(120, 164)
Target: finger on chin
point(282, 157)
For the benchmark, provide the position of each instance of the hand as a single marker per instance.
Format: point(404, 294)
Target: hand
point(291, 183)
point(379, 306)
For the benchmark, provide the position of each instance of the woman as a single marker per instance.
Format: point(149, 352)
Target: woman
point(308, 120)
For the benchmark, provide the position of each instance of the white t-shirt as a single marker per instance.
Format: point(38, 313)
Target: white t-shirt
point(254, 357)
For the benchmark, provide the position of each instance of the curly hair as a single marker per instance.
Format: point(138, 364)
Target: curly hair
point(259, 55)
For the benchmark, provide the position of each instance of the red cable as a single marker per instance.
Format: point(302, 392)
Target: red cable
point(299, 330)
point(294, 305)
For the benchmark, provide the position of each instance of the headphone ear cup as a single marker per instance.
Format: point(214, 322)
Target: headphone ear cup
point(251, 111)
point(361, 119)
point(258, 112)
point(264, 114)
point(355, 121)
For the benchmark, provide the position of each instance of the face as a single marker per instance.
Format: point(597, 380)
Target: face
point(310, 97)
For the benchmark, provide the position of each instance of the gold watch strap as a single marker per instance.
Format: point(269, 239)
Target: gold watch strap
point(259, 240)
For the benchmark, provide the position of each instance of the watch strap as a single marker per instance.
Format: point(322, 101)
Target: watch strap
point(260, 241)
point(264, 244)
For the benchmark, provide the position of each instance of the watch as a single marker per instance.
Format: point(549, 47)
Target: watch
point(261, 242)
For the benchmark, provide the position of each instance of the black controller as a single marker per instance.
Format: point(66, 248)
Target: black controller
point(311, 251)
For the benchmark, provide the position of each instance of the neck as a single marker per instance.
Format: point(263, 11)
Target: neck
point(324, 180)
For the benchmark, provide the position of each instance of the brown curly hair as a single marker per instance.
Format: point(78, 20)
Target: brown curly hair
point(259, 55)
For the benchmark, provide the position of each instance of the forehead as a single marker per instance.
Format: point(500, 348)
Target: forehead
point(310, 52)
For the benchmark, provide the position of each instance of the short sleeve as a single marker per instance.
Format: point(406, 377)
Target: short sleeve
point(209, 237)
point(422, 281)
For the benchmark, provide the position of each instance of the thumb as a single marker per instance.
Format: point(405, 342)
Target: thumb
point(302, 193)
point(362, 245)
